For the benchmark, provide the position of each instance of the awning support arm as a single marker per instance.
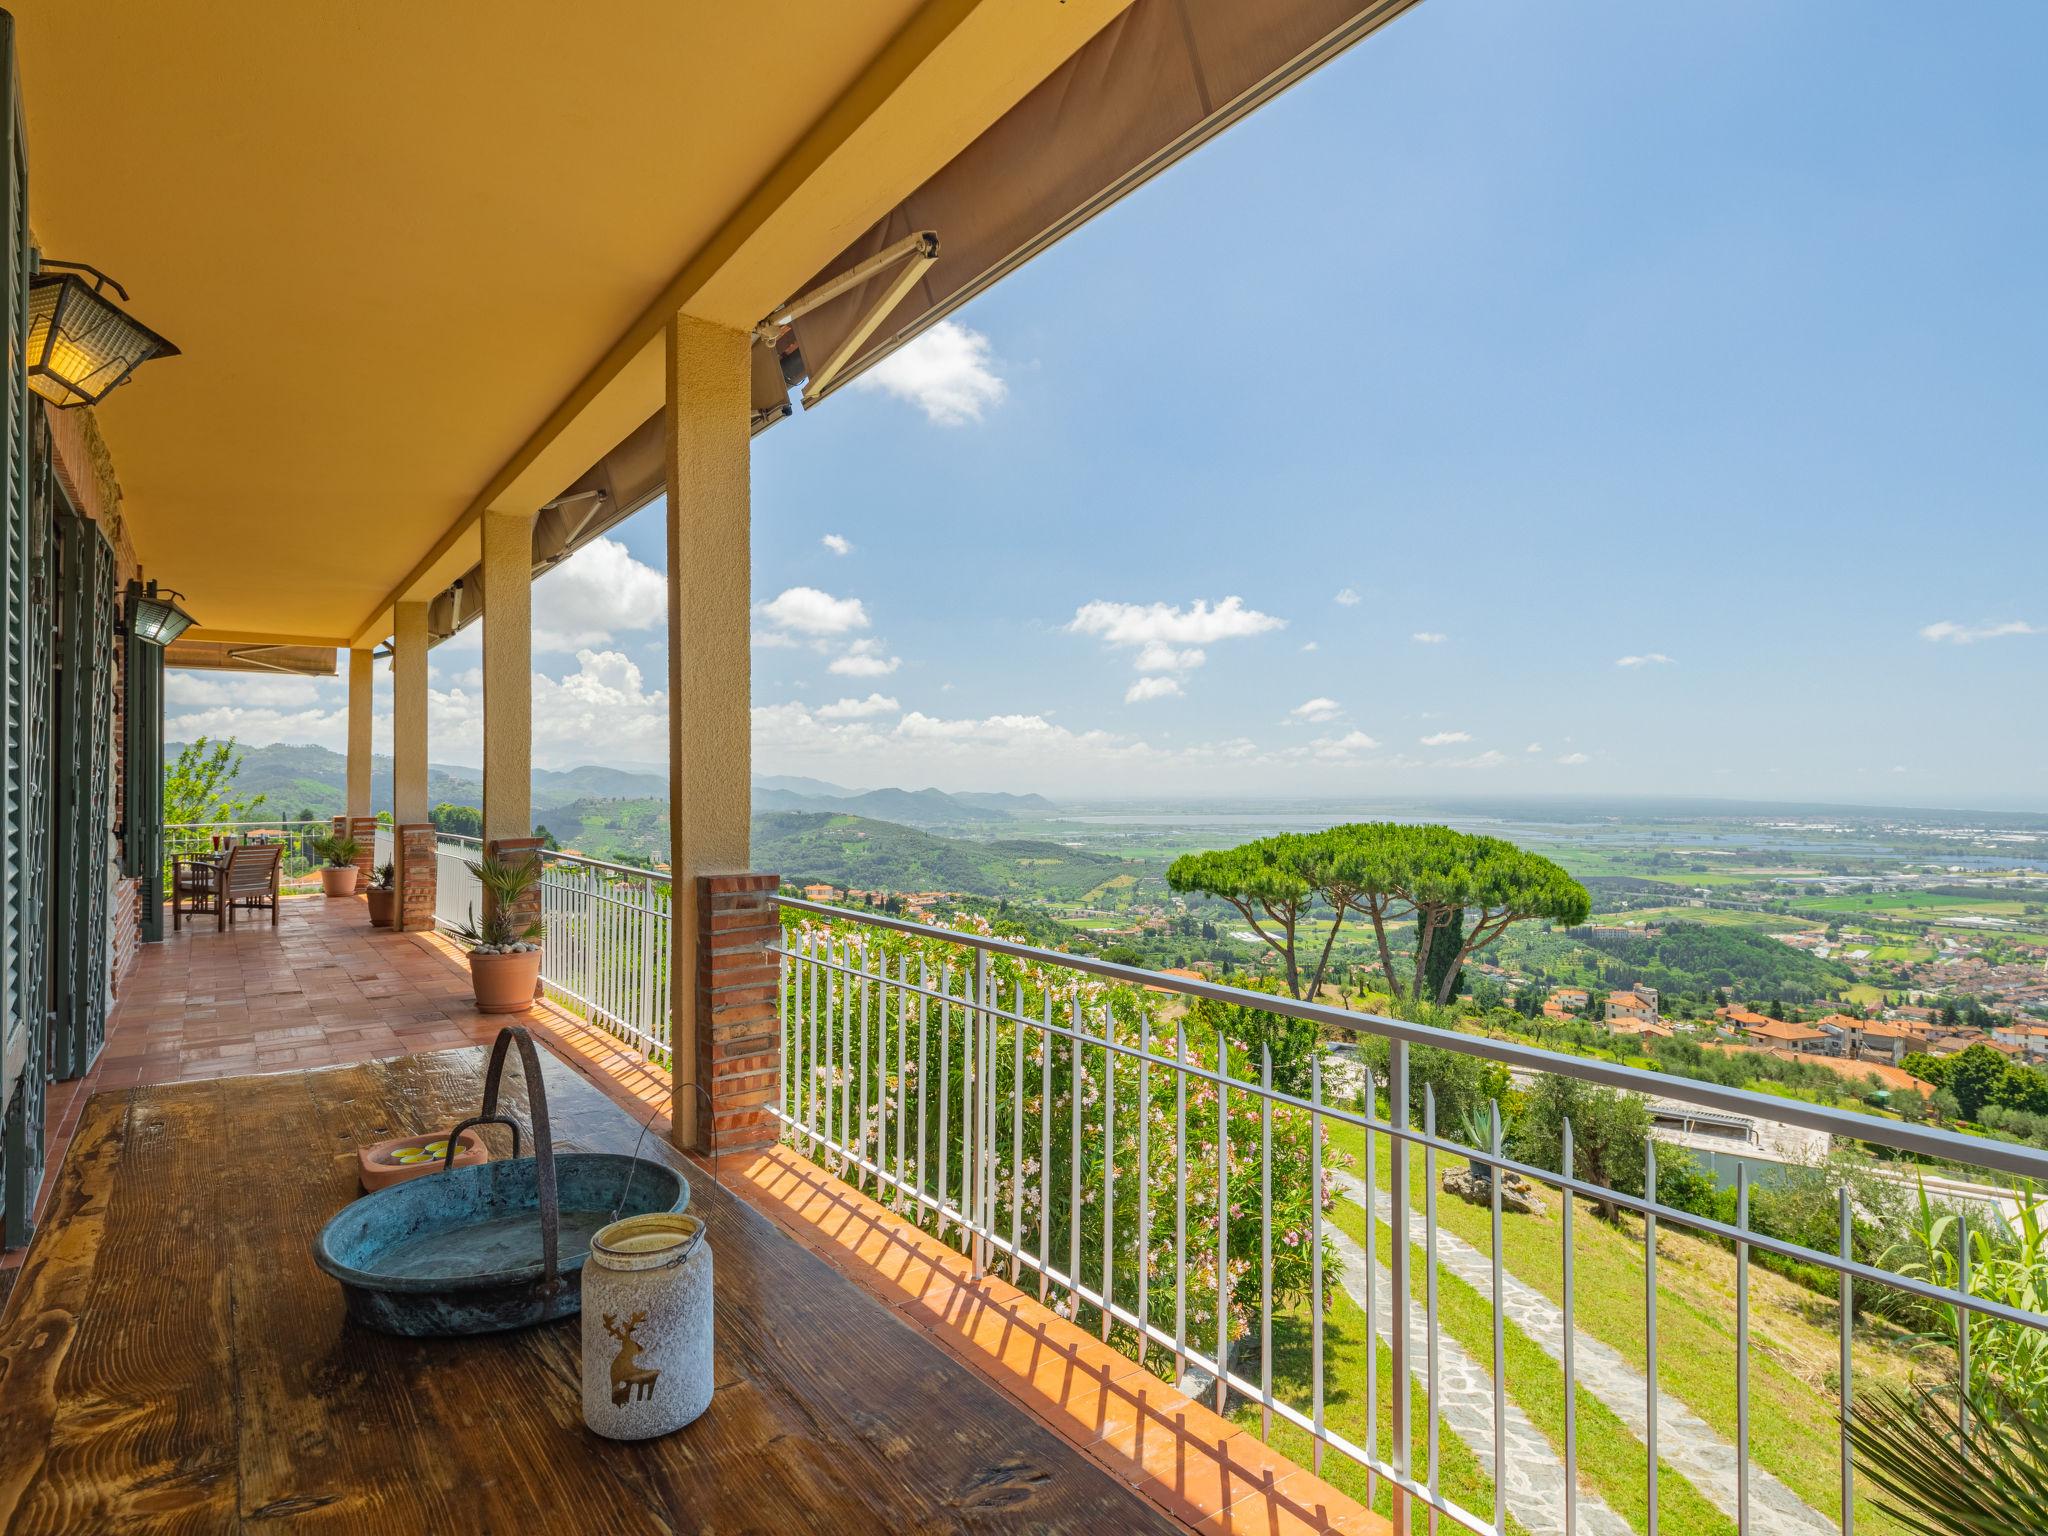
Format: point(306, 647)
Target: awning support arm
point(913, 253)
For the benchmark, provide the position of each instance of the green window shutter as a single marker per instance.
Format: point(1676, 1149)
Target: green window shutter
point(22, 1024)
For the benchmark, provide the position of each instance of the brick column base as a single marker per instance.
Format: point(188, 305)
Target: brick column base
point(364, 830)
point(418, 862)
point(739, 1011)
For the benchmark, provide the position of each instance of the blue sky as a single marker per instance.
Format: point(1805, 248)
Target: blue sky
point(1579, 398)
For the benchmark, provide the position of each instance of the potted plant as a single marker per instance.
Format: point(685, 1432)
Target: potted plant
point(383, 896)
point(504, 949)
point(339, 850)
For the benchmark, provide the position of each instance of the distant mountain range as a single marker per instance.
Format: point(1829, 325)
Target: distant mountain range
point(295, 779)
point(846, 850)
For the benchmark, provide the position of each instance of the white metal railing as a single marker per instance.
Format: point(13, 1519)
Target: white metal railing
point(1053, 1116)
point(607, 947)
point(458, 899)
point(191, 839)
point(605, 944)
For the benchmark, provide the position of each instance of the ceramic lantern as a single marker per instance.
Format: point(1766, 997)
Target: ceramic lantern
point(646, 1326)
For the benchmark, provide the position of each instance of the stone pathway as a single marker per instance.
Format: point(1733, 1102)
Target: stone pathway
point(1685, 1442)
point(1534, 1478)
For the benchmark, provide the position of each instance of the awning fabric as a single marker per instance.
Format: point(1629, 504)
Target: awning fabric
point(1156, 83)
point(226, 656)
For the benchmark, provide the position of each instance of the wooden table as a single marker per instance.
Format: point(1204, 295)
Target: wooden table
point(171, 1359)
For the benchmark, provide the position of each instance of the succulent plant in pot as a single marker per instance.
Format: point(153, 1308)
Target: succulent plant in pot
point(338, 851)
point(504, 948)
point(383, 896)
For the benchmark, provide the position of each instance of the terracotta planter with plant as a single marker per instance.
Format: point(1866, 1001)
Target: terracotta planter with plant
point(339, 851)
point(504, 949)
point(383, 897)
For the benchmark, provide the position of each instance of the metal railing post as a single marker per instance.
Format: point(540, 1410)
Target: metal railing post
point(1397, 1276)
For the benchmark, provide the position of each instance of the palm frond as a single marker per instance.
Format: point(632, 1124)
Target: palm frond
point(1939, 1478)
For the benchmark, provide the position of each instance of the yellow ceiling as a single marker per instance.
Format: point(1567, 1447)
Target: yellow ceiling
point(418, 256)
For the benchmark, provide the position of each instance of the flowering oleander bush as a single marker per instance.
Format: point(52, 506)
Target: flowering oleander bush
point(880, 1026)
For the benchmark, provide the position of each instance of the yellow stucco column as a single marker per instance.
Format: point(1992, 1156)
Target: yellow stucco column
point(361, 684)
point(508, 674)
point(709, 677)
point(409, 713)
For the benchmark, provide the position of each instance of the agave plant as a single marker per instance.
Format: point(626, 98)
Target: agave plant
point(1935, 1475)
point(504, 882)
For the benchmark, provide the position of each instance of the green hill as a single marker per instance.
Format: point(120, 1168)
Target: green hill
point(852, 850)
point(1694, 959)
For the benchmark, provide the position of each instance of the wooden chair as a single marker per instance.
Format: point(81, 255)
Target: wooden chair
point(195, 888)
point(250, 879)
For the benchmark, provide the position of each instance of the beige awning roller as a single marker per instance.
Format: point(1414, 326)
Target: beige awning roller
point(1159, 81)
point(230, 656)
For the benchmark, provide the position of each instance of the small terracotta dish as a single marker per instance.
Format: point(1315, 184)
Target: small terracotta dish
point(384, 1163)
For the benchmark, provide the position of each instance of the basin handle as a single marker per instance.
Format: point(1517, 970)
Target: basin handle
point(543, 1140)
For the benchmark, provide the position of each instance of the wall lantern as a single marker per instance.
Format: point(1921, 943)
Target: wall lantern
point(154, 618)
point(80, 343)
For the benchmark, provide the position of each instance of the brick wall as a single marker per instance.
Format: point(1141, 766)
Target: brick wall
point(125, 912)
point(739, 1033)
point(364, 830)
point(417, 863)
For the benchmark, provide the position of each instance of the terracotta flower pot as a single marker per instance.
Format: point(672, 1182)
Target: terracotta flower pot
point(383, 905)
point(339, 881)
point(504, 983)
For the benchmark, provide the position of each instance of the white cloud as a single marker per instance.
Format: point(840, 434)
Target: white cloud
point(1311, 645)
point(860, 709)
point(808, 611)
point(1169, 638)
point(1149, 624)
point(1349, 597)
point(270, 690)
point(1573, 759)
point(1317, 711)
point(837, 544)
point(595, 594)
point(1157, 656)
point(1152, 688)
point(1334, 748)
point(864, 658)
point(1947, 631)
point(1446, 738)
point(773, 640)
point(1647, 659)
point(1534, 746)
point(1486, 759)
point(260, 725)
point(947, 373)
point(1429, 637)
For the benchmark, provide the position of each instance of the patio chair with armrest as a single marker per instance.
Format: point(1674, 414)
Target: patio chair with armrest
point(250, 879)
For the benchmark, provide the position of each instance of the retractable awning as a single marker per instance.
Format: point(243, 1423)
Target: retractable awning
point(227, 656)
point(603, 496)
point(1153, 85)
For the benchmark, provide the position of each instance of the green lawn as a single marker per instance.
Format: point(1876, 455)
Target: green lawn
point(1459, 1475)
point(1793, 1432)
point(1611, 1459)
